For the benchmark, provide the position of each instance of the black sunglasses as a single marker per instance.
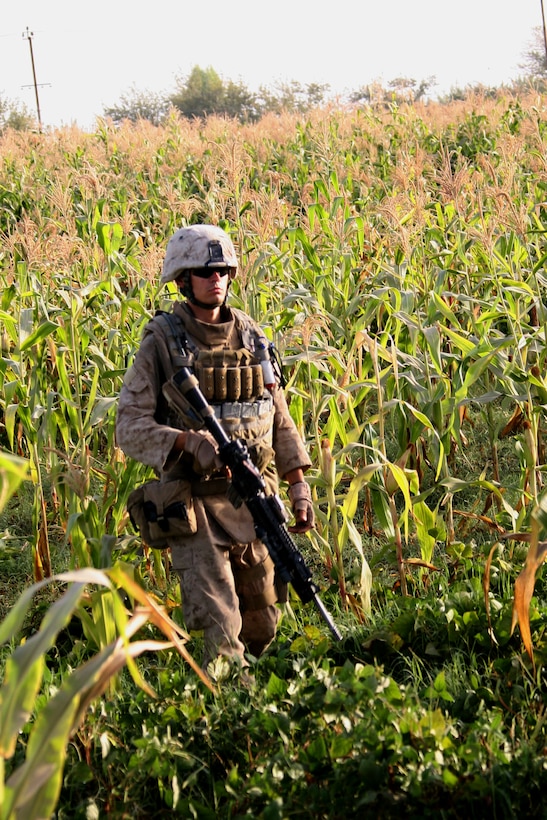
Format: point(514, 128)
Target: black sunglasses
point(206, 273)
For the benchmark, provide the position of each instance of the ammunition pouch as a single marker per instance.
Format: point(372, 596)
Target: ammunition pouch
point(162, 511)
point(228, 375)
point(224, 391)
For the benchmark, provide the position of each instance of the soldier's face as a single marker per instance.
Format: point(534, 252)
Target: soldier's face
point(212, 290)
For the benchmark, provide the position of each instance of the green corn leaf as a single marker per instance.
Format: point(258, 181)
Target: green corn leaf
point(462, 343)
point(101, 409)
point(349, 532)
point(351, 499)
point(10, 325)
point(90, 399)
point(473, 374)
point(32, 790)
point(109, 236)
point(26, 322)
point(13, 471)
point(380, 505)
point(24, 669)
point(539, 515)
point(41, 332)
point(433, 340)
point(425, 520)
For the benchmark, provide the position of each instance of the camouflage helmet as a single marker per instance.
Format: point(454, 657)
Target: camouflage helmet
point(198, 246)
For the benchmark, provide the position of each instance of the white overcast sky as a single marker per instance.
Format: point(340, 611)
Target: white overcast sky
point(87, 55)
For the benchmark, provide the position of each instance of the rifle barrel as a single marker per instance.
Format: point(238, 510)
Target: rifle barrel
point(325, 614)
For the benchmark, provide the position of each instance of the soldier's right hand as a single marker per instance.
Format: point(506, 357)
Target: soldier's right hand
point(203, 449)
point(302, 507)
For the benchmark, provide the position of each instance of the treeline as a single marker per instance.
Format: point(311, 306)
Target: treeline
point(204, 93)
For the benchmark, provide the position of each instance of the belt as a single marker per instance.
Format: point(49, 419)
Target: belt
point(243, 409)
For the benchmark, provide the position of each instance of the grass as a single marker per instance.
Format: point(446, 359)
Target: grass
point(421, 710)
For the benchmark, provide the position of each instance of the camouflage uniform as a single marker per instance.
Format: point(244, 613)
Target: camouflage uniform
point(226, 575)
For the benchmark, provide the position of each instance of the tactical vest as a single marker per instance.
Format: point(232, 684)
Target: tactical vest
point(232, 381)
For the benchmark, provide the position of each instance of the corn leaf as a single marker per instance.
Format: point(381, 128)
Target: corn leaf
point(24, 670)
point(13, 471)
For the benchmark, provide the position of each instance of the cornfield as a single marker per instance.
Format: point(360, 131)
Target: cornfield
point(396, 257)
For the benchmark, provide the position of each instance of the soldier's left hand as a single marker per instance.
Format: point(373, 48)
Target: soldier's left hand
point(204, 451)
point(302, 507)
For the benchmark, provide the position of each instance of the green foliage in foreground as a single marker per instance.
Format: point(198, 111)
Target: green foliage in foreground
point(418, 716)
point(429, 709)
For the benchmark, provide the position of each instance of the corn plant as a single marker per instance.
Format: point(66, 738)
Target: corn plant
point(22, 793)
point(397, 262)
point(50, 727)
point(382, 225)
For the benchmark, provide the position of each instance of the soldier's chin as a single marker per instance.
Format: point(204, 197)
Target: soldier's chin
point(216, 301)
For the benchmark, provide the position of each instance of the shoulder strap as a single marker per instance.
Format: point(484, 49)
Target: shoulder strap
point(172, 329)
point(248, 329)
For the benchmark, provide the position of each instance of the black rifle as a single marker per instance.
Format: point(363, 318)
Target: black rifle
point(247, 485)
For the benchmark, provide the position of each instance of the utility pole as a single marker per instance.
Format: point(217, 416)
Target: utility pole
point(29, 35)
point(544, 30)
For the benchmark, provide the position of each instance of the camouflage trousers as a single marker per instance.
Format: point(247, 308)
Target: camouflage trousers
point(228, 590)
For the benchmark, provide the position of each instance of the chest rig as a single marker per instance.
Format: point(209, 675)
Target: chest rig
point(232, 381)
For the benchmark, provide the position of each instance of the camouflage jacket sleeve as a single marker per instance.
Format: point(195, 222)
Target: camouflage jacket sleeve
point(288, 446)
point(139, 433)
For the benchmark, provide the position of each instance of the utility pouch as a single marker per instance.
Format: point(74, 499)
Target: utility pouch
point(162, 511)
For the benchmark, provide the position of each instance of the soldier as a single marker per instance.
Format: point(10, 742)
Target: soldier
point(227, 579)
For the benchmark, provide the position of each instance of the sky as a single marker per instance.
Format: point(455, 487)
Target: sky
point(87, 55)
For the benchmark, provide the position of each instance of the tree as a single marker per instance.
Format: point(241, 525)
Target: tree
point(137, 105)
point(292, 96)
point(203, 93)
point(240, 103)
point(16, 115)
point(535, 58)
point(403, 87)
point(400, 89)
point(200, 94)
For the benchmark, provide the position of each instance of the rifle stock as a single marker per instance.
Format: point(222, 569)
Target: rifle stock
point(247, 486)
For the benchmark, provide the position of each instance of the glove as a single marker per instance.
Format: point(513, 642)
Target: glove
point(302, 507)
point(203, 449)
